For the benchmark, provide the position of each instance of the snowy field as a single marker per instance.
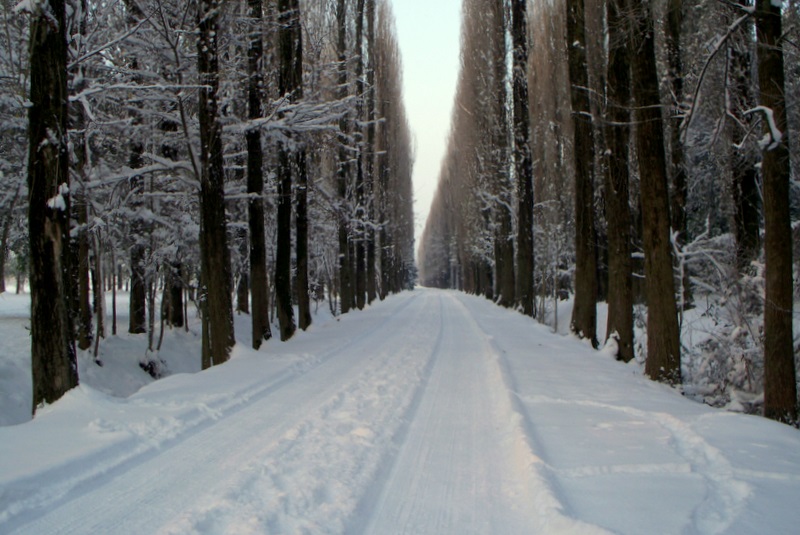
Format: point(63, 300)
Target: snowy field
point(433, 412)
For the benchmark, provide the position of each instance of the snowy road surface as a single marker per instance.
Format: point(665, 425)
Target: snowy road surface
point(430, 413)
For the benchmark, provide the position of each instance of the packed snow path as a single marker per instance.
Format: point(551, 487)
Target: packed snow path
point(431, 413)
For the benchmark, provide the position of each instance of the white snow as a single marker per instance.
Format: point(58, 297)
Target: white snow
point(432, 412)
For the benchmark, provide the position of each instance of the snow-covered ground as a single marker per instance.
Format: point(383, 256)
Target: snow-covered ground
point(433, 412)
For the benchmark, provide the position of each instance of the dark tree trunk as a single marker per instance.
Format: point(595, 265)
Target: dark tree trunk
point(361, 251)
point(82, 309)
point(370, 154)
point(780, 381)
point(137, 323)
point(290, 55)
point(283, 258)
point(84, 312)
point(522, 158)
point(663, 344)
point(504, 233)
point(175, 282)
point(678, 166)
point(584, 313)
point(343, 173)
point(744, 157)
point(303, 301)
point(7, 222)
point(214, 252)
point(54, 366)
point(618, 212)
point(259, 287)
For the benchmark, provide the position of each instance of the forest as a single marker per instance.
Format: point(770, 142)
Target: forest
point(210, 158)
point(641, 154)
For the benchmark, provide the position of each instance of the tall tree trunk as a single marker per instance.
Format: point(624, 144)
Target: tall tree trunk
point(343, 172)
point(743, 155)
point(370, 154)
point(7, 222)
point(522, 158)
point(214, 252)
point(81, 307)
point(288, 44)
point(137, 321)
point(259, 287)
point(663, 344)
point(678, 167)
point(780, 381)
point(175, 281)
point(301, 192)
point(584, 313)
point(499, 157)
point(618, 212)
point(54, 366)
point(361, 251)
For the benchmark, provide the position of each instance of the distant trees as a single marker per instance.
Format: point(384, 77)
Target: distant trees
point(204, 136)
point(665, 108)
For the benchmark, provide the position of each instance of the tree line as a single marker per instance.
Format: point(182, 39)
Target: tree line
point(251, 155)
point(639, 153)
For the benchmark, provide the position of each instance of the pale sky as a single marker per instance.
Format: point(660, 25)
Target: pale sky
point(429, 35)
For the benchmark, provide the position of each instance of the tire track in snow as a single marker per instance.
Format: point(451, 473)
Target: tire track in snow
point(313, 477)
point(62, 486)
point(726, 495)
point(551, 510)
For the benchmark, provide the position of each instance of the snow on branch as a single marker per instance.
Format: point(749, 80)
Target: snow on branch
point(773, 138)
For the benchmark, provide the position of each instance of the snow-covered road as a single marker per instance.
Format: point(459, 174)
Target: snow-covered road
point(430, 413)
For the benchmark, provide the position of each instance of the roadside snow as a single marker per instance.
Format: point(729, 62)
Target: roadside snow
point(430, 412)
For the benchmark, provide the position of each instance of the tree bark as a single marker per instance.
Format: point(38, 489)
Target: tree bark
point(360, 243)
point(259, 287)
point(54, 366)
point(343, 170)
point(137, 321)
point(370, 154)
point(215, 255)
point(522, 158)
point(680, 191)
point(745, 186)
point(584, 313)
point(780, 381)
point(289, 53)
point(618, 212)
point(663, 343)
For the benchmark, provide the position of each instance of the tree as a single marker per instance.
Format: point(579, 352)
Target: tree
point(673, 22)
point(346, 293)
point(663, 345)
point(215, 255)
point(522, 157)
point(259, 286)
point(618, 213)
point(289, 44)
point(780, 381)
point(584, 313)
point(53, 358)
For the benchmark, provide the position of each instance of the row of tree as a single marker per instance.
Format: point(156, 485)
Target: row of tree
point(655, 139)
point(254, 151)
